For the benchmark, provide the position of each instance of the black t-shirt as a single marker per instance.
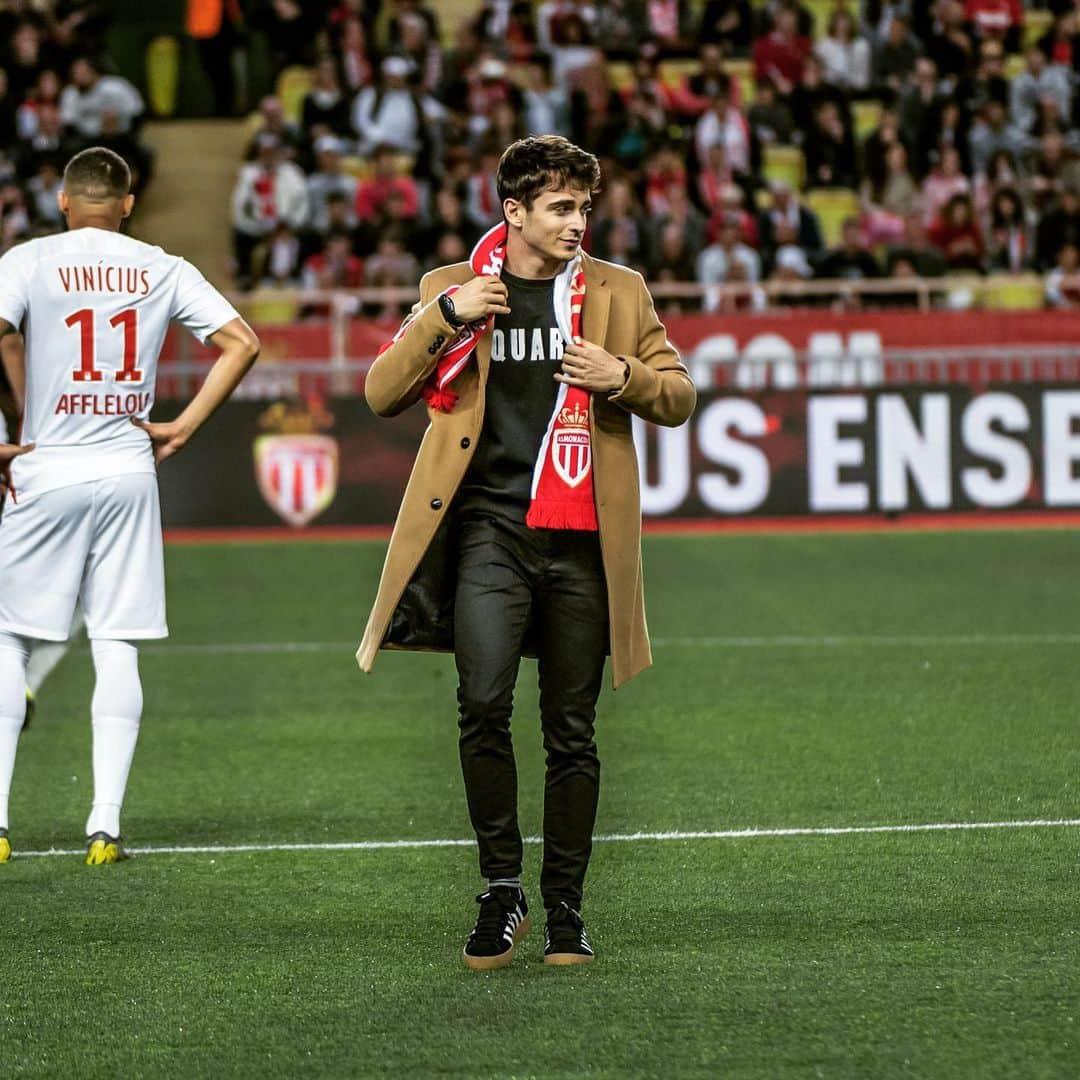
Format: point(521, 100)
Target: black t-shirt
point(526, 352)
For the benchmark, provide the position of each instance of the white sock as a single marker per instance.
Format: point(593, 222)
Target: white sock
point(14, 651)
point(116, 710)
point(47, 654)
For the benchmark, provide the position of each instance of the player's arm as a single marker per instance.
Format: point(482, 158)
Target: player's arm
point(239, 349)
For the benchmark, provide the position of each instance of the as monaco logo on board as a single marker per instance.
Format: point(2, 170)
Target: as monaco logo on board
point(571, 452)
point(297, 470)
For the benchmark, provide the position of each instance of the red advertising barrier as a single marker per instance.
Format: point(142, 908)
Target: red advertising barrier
point(800, 413)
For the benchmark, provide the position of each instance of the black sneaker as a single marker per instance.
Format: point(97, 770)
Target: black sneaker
point(565, 940)
point(503, 921)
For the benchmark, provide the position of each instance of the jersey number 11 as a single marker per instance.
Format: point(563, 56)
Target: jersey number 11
point(86, 372)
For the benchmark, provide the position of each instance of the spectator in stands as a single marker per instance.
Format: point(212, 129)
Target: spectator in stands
point(47, 142)
point(999, 20)
point(988, 83)
point(573, 50)
point(730, 23)
point(781, 55)
point(620, 26)
point(619, 212)
point(726, 250)
point(683, 213)
point(957, 236)
point(482, 202)
point(896, 57)
point(398, 115)
point(92, 96)
point(670, 23)
point(451, 248)
point(813, 92)
point(328, 179)
point(876, 147)
point(413, 42)
point(915, 248)
point(357, 66)
point(945, 180)
point(14, 215)
point(769, 118)
point(1063, 284)
point(215, 27)
point(700, 87)
point(546, 107)
point(1061, 43)
point(723, 124)
point(269, 191)
point(1001, 171)
point(386, 180)
point(621, 250)
point(918, 107)
point(850, 260)
point(1060, 226)
point(281, 269)
point(830, 151)
point(664, 167)
point(404, 9)
point(713, 180)
point(1053, 169)
point(951, 130)
point(1039, 80)
point(950, 45)
point(26, 56)
point(138, 157)
point(290, 26)
point(1009, 248)
point(43, 189)
point(447, 216)
point(790, 267)
point(335, 267)
point(787, 222)
point(326, 108)
point(392, 266)
point(993, 132)
point(844, 54)
point(273, 121)
point(887, 205)
point(673, 259)
point(46, 92)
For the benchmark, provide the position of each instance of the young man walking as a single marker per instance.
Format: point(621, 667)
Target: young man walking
point(519, 532)
point(83, 524)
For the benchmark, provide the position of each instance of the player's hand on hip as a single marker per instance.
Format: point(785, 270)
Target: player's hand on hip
point(480, 298)
point(167, 439)
point(591, 367)
point(8, 453)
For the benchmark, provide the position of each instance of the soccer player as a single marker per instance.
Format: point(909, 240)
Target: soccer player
point(84, 524)
point(519, 530)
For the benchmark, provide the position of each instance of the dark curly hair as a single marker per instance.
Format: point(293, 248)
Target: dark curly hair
point(544, 163)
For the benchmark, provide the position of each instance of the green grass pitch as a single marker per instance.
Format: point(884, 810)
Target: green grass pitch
point(800, 681)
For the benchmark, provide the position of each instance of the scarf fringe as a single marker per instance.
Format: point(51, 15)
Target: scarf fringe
point(441, 399)
point(562, 514)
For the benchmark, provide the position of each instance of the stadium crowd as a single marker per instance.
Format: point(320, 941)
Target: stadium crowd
point(968, 163)
point(58, 95)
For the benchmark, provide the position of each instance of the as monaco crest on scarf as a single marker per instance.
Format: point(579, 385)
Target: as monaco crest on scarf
point(560, 497)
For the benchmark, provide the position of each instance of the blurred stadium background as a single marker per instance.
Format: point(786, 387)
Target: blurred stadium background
point(861, 224)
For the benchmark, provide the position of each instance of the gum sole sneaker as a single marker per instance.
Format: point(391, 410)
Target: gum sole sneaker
point(103, 849)
point(565, 940)
point(503, 921)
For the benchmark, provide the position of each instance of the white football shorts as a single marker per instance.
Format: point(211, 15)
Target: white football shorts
point(99, 544)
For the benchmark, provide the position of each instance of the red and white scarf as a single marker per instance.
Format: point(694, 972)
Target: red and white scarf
point(562, 490)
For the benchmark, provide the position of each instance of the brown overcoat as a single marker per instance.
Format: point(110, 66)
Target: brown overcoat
point(414, 605)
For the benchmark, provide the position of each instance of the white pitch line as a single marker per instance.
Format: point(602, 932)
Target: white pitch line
point(609, 838)
point(778, 641)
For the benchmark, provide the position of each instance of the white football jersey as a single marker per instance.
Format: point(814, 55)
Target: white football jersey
point(94, 307)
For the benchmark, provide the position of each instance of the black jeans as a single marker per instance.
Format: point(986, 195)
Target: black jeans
point(514, 581)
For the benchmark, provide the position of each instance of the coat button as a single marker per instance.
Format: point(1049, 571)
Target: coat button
point(436, 504)
point(466, 443)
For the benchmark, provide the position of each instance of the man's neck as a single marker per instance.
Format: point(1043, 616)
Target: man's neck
point(523, 262)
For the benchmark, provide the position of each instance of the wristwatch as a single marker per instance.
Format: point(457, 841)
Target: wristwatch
point(446, 306)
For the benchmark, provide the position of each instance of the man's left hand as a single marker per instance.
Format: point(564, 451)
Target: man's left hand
point(592, 368)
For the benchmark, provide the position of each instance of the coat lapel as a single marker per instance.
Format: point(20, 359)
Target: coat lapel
point(594, 316)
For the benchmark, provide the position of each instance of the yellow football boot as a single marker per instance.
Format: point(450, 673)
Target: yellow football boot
point(5, 846)
point(102, 849)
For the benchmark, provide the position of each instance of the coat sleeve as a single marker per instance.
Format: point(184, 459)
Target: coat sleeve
point(659, 388)
point(397, 377)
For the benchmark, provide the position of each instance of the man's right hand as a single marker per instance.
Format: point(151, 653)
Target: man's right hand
point(8, 453)
point(479, 298)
